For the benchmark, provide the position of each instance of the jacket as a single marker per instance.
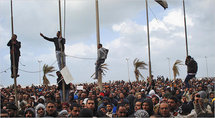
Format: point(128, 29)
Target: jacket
point(17, 46)
point(192, 65)
point(101, 53)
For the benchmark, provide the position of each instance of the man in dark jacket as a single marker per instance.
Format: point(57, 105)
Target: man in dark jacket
point(192, 68)
point(67, 86)
point(59, 42)
point(14, 50)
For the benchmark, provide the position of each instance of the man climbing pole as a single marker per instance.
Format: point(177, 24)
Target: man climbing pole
point(59, 42)
point(102, 55)
point(192, 68)
point(14, 48)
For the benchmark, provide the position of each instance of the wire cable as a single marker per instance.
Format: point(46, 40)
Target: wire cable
point(81, 57)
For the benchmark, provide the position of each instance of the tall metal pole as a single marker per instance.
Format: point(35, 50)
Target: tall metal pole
point(64, 28)
point(128, 70)
point(206, 65)
point(147, 18)
point(62, 65)
point(39, 61)
point(98, 41)
point(169, 68)
point(14, 67)
point(185, 28)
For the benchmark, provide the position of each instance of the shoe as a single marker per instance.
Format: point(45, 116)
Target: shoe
point(11, 76)
point(17, 75)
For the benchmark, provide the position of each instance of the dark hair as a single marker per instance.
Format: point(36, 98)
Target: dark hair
point(120, 105)
point(174, 98)
point(100, 44)
point(74, 105)
point(89, 99)
point(86, 113)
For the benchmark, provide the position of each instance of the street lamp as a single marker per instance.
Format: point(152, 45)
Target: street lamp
point(39, 61)
point(128, 69)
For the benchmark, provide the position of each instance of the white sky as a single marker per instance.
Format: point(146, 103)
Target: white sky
point(123, 31)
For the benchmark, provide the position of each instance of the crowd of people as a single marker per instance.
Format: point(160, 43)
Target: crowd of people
point(158, 98)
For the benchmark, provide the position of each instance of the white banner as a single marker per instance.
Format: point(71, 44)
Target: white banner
point(66, 75)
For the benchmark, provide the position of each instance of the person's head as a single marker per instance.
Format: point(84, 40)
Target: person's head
point(137, 105)
point(11, 109)
point(50, 108)
point(58, 34)
point(90, 104)
point(148, 106)
point(40, 110)
point(99, 46)
point(75, 110)
point(172, 101)
point(63, 113)
point(141, 114)
point(4, 113)
point(29, 112)
point(65, 106)
point(155, 100)
point(121, 111)
point(58, 74)
point(14, 37)
point(211, 95)
point(109, 107)
point(41, 100)
point(164, 109)
point(86, 113)
point(11, 99)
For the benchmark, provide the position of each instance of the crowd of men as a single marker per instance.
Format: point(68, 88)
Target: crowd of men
point(158, 98)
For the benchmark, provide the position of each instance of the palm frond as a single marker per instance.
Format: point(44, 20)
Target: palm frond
point(175, 68)
point(46, 71)
point(138, 65)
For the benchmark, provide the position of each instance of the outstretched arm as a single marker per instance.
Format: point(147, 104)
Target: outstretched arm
point(49, 39)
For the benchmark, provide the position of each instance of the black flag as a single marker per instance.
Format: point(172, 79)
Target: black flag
point(163, 3)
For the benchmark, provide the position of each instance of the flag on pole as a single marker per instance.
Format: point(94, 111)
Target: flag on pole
point(163, 3)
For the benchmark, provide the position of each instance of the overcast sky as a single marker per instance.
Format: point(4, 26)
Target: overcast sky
point(122, 31)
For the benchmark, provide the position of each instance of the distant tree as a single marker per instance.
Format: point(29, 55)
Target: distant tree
point(46, 71)
point(175, 68)
point(138, 65)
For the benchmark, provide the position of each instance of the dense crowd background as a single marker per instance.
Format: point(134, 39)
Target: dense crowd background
point(159, 98)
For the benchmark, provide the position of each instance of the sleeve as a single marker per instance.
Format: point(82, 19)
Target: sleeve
point(18, 44)
point(9, 43)
point(63, 41)
point(49, 39)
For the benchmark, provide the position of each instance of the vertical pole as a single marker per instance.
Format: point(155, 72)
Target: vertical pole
point(169, 68)
point(39, 61)
point(64, 19)
point(98, 41)
point(185, 28)
point(128, 70)
point(63, 82)
point(147, 16)
point(14, 67)
point(206, 65)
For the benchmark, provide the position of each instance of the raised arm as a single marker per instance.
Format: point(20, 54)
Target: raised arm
point(49, 39)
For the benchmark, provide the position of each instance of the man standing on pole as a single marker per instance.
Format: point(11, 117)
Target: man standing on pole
point(16, 51)
point(192, 68)
point(102, 55)
point(59, 48)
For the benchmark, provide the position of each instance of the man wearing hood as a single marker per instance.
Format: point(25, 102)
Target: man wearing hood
point(40, 110)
